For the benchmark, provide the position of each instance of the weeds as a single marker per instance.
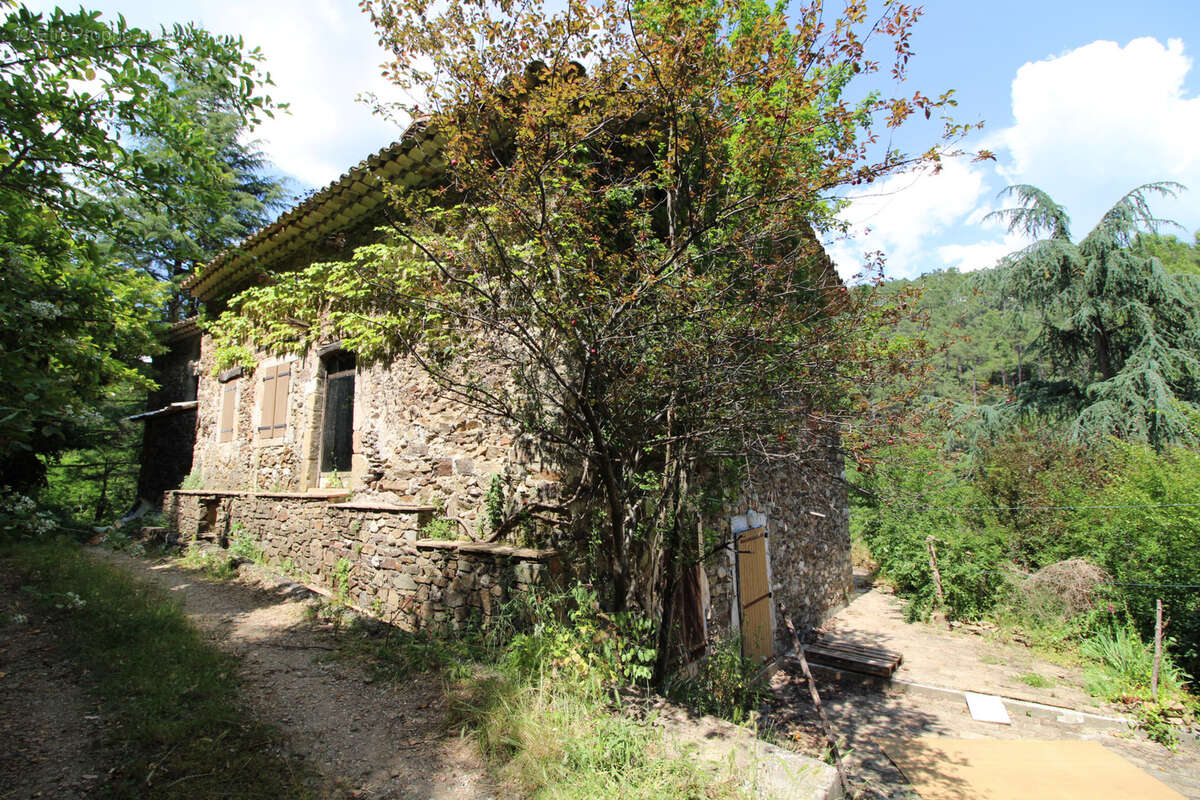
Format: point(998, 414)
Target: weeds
point(341, 581)
point(1123, 667)
point(1155, 721)
point(442, 528)
point(725, 684)
point(1035, 680)
point(180, 731)
point(245, 545)
point(537, 688)
point(217, 566)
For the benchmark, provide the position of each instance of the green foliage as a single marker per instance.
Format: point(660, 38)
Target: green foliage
point(590, 646)
point(77, 96)
point(71, 327)
point(493, 502)
point(980, 340)
point(21, 517)
point(228, 356)
point(173, 697)
point(245, 545)
point(1177, 257)
point(341, 580)
point(725, 684)
point(216, 565)
point(1155, 721)
point(1032, 500)
point(1120, 332)
point(1036, 680)
point(1149, 533)
point(557, 738)
point(193, 480)
point(442, 528)
point(918, 493)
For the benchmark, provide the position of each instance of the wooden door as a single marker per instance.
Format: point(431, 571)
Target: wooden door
point(754, 595)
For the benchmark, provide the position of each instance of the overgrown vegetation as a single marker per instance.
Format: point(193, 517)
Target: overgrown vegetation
point(724, 684)
point(626, 242)
point(181, 729)
point(546, 689)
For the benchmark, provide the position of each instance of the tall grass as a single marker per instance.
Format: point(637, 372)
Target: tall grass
point(1123, 665)
point(553, 737)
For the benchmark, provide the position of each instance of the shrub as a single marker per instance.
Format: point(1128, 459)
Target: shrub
point(725, 684)
point(919, 492)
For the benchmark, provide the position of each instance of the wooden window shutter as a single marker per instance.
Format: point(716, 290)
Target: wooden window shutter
point(228, 406)
point(283, 380)
point(267, 422)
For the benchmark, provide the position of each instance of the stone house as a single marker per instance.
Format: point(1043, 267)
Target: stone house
point(335, 470)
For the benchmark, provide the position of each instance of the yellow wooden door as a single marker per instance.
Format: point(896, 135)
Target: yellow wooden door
point(754, 595)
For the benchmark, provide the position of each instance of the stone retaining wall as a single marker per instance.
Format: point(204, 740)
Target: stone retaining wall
point(369, 554)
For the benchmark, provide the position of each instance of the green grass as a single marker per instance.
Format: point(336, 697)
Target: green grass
point(181, 732)
point(1036, 680)
point(551, 736)
point(217, 566)
point(539, 700)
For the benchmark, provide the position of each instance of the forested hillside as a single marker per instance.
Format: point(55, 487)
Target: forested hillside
point(981, 337)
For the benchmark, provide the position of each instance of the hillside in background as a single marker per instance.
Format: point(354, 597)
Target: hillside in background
point(983, 341)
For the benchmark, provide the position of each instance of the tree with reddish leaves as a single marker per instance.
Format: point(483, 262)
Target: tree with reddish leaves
point(623, 258)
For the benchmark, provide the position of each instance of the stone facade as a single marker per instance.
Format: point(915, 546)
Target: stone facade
point(806, 514)
point(413, 454)
point(370, 555)
point(417, 454)
point(411, 443)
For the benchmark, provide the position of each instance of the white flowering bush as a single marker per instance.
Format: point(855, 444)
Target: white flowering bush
point(21, 517)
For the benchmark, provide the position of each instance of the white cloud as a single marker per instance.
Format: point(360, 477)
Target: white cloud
point(321, 55)
point(1094, 122)
point(978, 255)
point(900, 214)
point(1088, 126)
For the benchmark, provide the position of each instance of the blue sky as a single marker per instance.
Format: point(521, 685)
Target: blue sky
point(1084, 99)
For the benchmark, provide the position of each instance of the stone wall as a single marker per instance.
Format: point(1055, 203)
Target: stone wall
point(411, 443)
point(806, 513)
point(368, 553)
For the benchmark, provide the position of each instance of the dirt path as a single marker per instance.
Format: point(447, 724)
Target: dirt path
point(49, 727)
point(863, 715)
point(369, 740)
point(957, 659)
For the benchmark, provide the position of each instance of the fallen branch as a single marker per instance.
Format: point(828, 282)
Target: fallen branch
point(816, 698)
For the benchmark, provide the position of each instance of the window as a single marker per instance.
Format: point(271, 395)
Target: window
point(228, 411)
point(276, 381)
point(337, 439)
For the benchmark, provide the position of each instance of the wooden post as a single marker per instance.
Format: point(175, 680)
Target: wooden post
point(816, 698)
point(937, 576)
point(1158, 626)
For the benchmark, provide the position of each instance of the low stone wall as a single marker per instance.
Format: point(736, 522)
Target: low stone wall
point(368, 553)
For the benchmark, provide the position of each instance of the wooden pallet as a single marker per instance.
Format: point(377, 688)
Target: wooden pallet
point(841, 654)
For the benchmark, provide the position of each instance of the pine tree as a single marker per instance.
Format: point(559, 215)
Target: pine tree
point(1120, 333)
point(170, 232)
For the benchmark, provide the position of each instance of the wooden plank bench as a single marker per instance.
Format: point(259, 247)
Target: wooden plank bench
point(841, 654)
